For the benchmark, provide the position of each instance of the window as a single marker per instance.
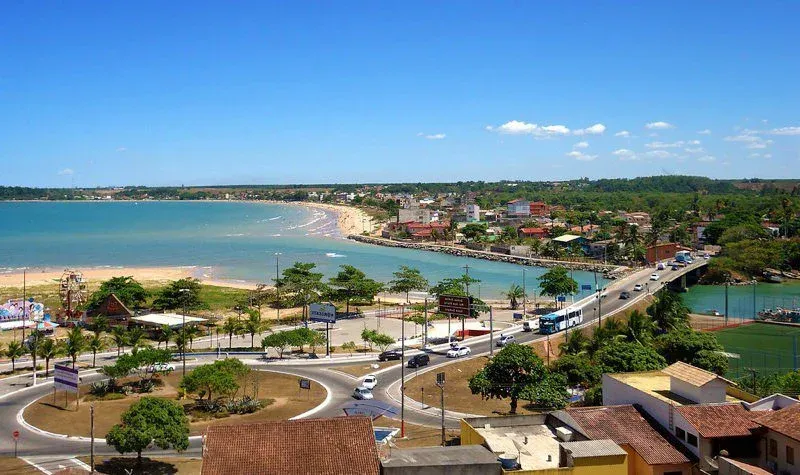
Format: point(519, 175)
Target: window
point(691, 439)
point(790, 455)
point(680, 433)
point(673, 473)
point(773, 448)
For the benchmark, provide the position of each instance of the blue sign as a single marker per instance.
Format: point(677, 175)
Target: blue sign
point(586, 286)
point(518, 316)
point(562, 298)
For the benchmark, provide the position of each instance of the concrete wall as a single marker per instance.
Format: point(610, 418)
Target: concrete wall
point(616, 392)
point(679, 421)
point(638, 466)
point(711, 392)
point(780, 460)
point(471, 469)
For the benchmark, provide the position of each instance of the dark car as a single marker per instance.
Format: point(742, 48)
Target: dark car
point(418, 360)
point(625, 295)
point(390, 355)
point(674, 267)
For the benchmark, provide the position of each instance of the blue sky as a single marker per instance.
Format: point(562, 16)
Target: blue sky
point(166, 93)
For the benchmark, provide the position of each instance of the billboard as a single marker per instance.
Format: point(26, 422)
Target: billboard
point(320, 312)
point(14, 309)
point(66, 378)
point(455, 305)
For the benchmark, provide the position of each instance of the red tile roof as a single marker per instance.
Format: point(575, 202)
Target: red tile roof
point(533, 230)
point(336, 446)
point(786, 421)
point(626, 425)
point(719, 420)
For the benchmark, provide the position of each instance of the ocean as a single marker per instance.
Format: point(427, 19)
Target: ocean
point(234, 241)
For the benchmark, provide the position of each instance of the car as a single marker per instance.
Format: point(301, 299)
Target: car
point(370, 381)
point(390, 355)
point(706, 256)
point(660, 266)
point(530, 325)
point(689, 261)
point(458, 351)
point(362, 393)
point(419, 360)
point(675, 267)
point(161, 368)
point(654, 276)
point(505, 340)
point(624, 295)
point(638, 287)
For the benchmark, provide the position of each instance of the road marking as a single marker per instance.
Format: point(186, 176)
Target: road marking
point(81, 464)
point(37, 467)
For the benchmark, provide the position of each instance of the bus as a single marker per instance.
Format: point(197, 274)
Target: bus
point(558, 320)
point(683, 256)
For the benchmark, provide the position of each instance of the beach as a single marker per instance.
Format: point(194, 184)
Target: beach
point(350, 220)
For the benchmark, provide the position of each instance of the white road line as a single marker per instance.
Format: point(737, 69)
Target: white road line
point(37, 467)
point(81, 464)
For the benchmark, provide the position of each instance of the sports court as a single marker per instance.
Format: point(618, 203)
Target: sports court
point(764, 347)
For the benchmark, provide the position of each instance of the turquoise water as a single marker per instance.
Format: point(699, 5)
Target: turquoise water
point(222, 240)
point(741, 299)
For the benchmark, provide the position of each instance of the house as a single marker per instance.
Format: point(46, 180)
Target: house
point(537, 233)
point(599, 249)
point(335, 446)
point(585, 229)
point(519, 208)
point(543, 444)
point(473, 213)
point(568, 240)
point(651, 450)
point(113, 309)
point(708, 429)
point(661, 251)
point(780, 448)
point(539, 209)
point(461, 459)
point(638, 218)
point(414, 214)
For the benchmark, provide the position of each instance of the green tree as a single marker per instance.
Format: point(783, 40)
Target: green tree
point(231, 327)
point(99, 324)
point(135, 338)
point(180, 294)
point(349, 346)
point(514, 294)
point(557, 282)
point(407, 279)
point(578, 369)
point(254, 324)
point(639, 328)
point(48, 350)
point(550, 393)
point(303, 284)
point(382, 340)
point(218, 378)
point(610, 331)
point(165, 334)
point(33, 342)
point(14, 351)
point(513, 374)
point(367, 336)
point(668, 311)
point(278, 340)
point(626, 357)
point(75, 344)
point(577, 342)
point(120, 338)
point(150, 420)
point(96, 343)
point(352, 284)
point(693, 347)
point(126, 288)
point(474, 230)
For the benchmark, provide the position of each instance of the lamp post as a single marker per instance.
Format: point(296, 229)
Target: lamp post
point(184, 293)
point(277, 288)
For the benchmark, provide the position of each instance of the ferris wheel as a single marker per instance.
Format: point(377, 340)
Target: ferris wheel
point(72, 290)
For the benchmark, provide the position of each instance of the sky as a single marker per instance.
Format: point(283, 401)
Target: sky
point(98, 93)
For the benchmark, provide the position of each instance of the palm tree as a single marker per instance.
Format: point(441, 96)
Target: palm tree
point(192, 332)
point(576, 343)
point(165, 335)
point(99, 324)
point(120, 338)
point(180, 341)
point(34, 340)
point(668, 311)
point(135, 338)
point(76, 343)
point(640, 327)
point(230, 327)
point(254, 325)
point(14, 351)
point(48, 350)
point(514, 293)
point(96, 343)
point(604, 334)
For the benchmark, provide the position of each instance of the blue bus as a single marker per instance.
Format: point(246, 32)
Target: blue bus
point(558, 320)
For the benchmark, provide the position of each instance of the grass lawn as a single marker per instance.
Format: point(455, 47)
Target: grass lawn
point(157, 466)
point(362, 369)
point(15, 466)
point(416, 435)
point(281, 389)
point(765, 347)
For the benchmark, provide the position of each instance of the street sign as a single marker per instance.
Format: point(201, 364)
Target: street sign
point(320, 312)
point(455, 305)
point(586, 286)
point(15, 434)
point(440, 379)
point(305, 383)
point(562, 298)
point(66, 378)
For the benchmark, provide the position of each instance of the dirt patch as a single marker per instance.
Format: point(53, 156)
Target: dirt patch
point(362, 369)
point(416, 435)
point(287, 400)
point(15, 466)
point(157, 466)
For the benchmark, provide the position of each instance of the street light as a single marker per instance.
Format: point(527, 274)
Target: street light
point(277, 288)
point(183, 330)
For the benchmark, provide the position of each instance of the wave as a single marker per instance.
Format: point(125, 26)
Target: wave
point(235, 235)
point(276, 217)
point(334, 255)
point(276, 235)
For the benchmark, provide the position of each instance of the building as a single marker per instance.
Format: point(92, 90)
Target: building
point(567, 240)
point(661, 251)
point(708, 429)
point(335, 446)
point(780, 448)
point(638, 218)
point(113, 309)
point(585, 229)
point(651, 450)
point(539, 209)
point(536, 233)
point(414, 214)
point(473, 212)
point(543, 444)
point(460, 459)
point(519, 208)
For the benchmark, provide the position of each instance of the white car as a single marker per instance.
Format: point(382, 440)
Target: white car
point(362, 393)
point(458, 351)
point(654, 276)
point(161, 368)
point(706, 256)
point(370, 381)
point(504, 340)
point(638, 287)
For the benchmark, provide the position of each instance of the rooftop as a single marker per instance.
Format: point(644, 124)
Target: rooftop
point(786, 421)
point(536, 444)
point(593, 448)
point(657, 384)
point(719, 420)
point(335, 446)
point(626, 425)
point(566, 238)
point(441, 456)
point(692, 374)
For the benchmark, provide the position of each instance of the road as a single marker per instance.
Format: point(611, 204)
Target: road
point(15, 396)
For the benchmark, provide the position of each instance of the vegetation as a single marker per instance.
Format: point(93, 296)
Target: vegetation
point(126, 288)
point(351, 284)
point(155, 421)
point(557, 281)
point(180, 294)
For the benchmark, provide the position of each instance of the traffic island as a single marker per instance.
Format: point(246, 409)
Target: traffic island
point(279, 393)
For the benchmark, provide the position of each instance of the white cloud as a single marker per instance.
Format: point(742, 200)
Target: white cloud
point(622, 133)
point(659, 154)
point(706, 158)
point(758, 145)
point(66, 172)
point(583, 144)
point(694, 150)
point(122, 149)
point(435, 136)
point(659, 125)
point(677, 144)
point(625, 154)
point(785, 131)
point(555, 129)
point(516, 127)
point(704, 132)
point(754, 155)
point(767, 155)
point(577, 155)
point(596, 129)
point(751, 141)
point(693, 142)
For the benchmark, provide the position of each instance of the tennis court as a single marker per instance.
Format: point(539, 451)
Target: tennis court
point(764, 347)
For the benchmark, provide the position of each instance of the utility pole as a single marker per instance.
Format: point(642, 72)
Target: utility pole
point(425, 330)
point(277, 287)
point(469, 305)
point(491, 333)
point(184, 293)
point(524, 295)
point(754, 299)
point(25, 305)
point(440, 382)
point(91, 436)
point(726, 304)
point(402, 372)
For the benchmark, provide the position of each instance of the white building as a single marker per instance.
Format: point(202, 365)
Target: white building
point(473, 213)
